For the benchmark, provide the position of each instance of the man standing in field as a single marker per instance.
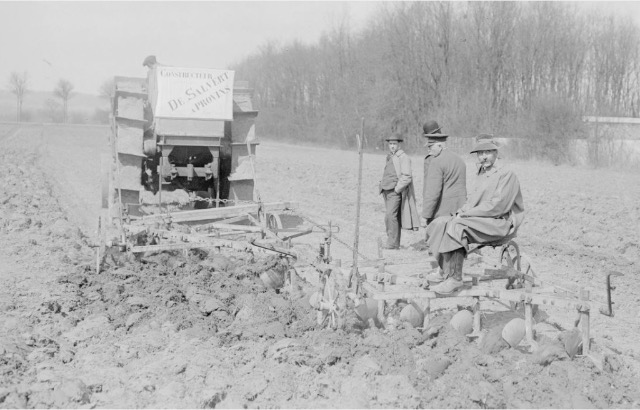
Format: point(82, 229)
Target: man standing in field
point(397, 190)
point(445, 176)
point(445, 181)
point(493, 212)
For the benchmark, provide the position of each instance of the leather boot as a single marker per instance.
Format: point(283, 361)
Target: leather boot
point(456, 262)
point(453, 271)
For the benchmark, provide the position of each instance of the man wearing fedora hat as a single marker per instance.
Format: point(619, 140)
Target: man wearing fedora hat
point(396, 187)
point(492, 214)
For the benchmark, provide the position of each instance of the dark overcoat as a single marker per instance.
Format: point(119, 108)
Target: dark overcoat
point(445, 184)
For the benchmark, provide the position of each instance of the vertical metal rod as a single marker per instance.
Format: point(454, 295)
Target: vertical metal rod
point(381, 304)
point(609, 303)
point(160, 176)
point(528, 316)
point(476, 315)
point(354, 269)
point(100, 241)
point(327, 246)
point(256, 193)
point(427, 314)
point(528, 322)
point(584, 323)
point(292, 280)
point(218, 190)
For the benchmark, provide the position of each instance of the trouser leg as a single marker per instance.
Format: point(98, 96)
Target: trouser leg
point(392, 217)
point(452, 263)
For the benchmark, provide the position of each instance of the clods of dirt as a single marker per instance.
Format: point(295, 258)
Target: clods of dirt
point(202, 330)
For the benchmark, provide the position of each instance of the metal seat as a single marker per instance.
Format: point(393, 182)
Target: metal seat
point(509, 252)
point(500, 242)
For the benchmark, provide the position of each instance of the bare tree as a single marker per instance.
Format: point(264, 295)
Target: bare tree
point(471, 65)
point(63, 91)
point(107, 89)
point(18, 84)
point(52, 108)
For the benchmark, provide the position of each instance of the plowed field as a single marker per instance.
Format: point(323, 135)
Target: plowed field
point(201, 330)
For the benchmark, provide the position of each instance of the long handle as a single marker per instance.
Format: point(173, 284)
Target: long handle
point(356, 240)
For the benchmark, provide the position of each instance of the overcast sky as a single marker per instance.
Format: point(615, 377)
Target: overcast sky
point(90, 42)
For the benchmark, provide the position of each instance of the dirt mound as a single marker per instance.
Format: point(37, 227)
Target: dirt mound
point(200, 291)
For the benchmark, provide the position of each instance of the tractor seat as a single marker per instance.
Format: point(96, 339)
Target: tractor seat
point(500, 242)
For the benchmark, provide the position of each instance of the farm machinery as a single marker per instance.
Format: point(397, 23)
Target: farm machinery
point(181, 175)
point(374, 285)
point(181, 170)
point(381, 284)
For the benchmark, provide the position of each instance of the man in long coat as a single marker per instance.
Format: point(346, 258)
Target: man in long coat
point(445, 176)
point(396, 187)
point(493, 212)
point(445, 181)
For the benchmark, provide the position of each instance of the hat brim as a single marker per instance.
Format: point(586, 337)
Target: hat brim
point(394, 139)
point(484, 146)
point(435, 138)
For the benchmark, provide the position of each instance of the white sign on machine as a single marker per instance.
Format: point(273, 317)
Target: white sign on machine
point(198, 93)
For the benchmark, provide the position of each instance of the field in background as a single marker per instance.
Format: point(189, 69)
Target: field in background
point(83, 108)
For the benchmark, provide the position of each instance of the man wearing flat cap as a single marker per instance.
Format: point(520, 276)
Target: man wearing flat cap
point(492, 213)
point(397, 190)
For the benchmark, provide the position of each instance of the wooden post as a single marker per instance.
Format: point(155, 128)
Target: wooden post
point(476, 315)
point(584, 323)
point(427, 314)
point(528, 316)
point(292, 280)
point(98, 260)
point(381, 304)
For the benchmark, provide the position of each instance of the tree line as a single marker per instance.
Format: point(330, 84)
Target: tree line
point(18, 85)
point(516, 69)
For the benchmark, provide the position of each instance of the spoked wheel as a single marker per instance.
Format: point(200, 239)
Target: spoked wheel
point(510, 256)
point(330, 301)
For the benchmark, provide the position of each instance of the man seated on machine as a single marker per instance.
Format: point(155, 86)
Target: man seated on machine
point(491, 215)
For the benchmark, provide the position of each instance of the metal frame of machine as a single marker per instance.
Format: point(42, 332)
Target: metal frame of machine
point(143, 208)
